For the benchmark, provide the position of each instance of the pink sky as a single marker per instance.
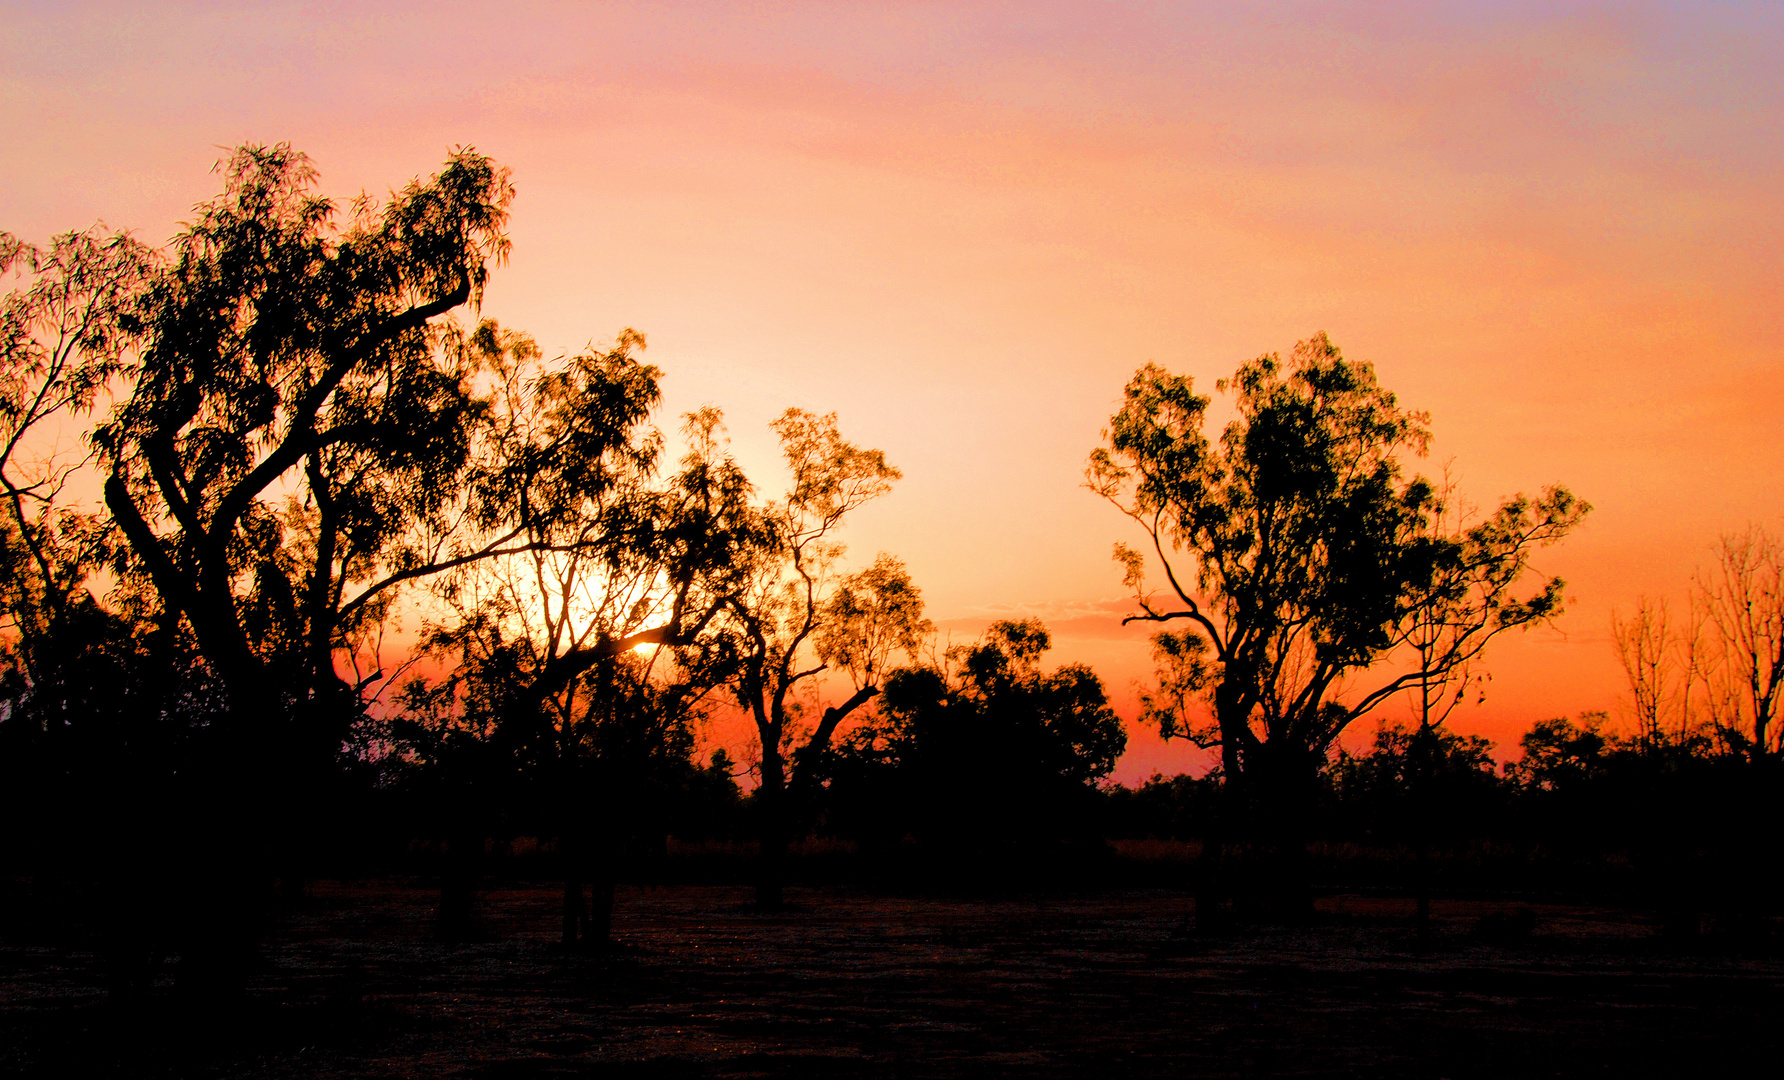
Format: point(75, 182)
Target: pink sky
point(962, 227)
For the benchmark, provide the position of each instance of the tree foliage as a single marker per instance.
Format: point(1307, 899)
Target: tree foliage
point(1301, 555)
point(792, 615)
point(63, 337)
point(578, 663)
point(989, 753)
point(296, 431)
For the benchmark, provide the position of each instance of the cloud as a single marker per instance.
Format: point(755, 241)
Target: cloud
point(1075, 619)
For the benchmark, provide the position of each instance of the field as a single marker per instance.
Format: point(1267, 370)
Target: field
point(855, 984)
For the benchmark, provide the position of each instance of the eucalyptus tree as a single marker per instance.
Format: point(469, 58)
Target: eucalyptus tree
point(296, 438)
point(296, 445)
point(1664, 660)
point(984, 752)
point(792, 614)
point(1301, 558)
point(581, 660)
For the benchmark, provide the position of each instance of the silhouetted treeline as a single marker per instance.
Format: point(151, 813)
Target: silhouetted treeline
point(1676, 825)
point(971, 779)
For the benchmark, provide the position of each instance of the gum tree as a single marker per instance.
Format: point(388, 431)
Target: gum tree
point(1302, 558)
point(296, 435)
point(985, 753)
point(792, 615)
point(575, 666)
point(296, 446)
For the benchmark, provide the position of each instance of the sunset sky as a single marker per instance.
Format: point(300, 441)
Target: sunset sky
point(961, 227)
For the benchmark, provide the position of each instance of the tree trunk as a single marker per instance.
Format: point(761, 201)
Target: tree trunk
point(1213, 887)
point(1220, 843)
point(605, 855)
point(1422, 781)
point(771, 859)
point(1422, 872)
point(132, 935)
point(229, 838)
point(600, 923)
point(457, 918)
point(222, 913)
point(1284, 783)
point(575, 913)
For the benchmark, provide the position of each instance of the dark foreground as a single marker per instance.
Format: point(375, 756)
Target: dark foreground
point(851, 984)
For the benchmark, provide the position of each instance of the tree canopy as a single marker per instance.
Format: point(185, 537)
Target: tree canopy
point(792, 614)
point(295, 430)
point(1302, 556)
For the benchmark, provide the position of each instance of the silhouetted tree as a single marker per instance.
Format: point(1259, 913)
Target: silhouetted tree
point(706, 802)
point(986, 758)
point(792, 617)
point(1313, 559)
point(1664, 665)
point(453, 781)
point(63, 337)
point(1720, 669)
point(584, 657)
point(1449, 778)
point(1163, 807)
point(1560, 753)
point(1742, 597)
point(296, 445)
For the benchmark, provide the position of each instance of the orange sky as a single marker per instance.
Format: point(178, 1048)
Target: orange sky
point(962, 227)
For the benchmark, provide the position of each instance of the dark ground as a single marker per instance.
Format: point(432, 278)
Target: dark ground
point(852, 984)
